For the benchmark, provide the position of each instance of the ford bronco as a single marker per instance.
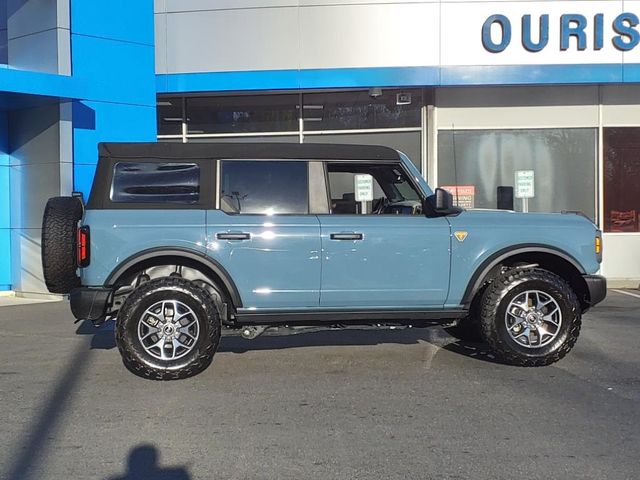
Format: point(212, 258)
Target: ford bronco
point(178, 242)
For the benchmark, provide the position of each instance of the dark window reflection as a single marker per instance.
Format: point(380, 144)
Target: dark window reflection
point(622, 179)
point(169, 116)
point(264, 187)
point(147, 182)
point(242, 114)
point(374, 108)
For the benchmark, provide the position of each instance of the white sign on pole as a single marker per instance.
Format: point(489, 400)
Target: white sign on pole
point(364, 188)
point(525, 184)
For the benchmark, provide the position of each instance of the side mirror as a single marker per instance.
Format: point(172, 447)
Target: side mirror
point(444, 201)
point(440, 204)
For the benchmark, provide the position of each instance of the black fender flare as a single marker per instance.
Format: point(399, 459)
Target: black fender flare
point(188, 254)
point(479, 276)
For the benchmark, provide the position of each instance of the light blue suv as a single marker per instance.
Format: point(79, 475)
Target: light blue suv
point(180, 241)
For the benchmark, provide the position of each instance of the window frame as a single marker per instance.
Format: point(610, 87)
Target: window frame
point(218, 186)
point(100, 197)
point(113, 190)
point(398, 164)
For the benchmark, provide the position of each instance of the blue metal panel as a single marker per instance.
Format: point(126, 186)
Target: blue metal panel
point(83, 179)
point(5, 257)
point(369, 77)
point(118, 71)
point(490, 231)
point(112, 47)
point(278, 267)
point(21, 81)
point(116, 19)
point(402, 261)
point(224, 81)
point(531, 75)
point(292, 79)
point(95, 122)
point(118, 234)
point(398, 77)
point(5, 210)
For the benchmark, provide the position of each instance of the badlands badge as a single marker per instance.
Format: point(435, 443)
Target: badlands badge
point(460, 235)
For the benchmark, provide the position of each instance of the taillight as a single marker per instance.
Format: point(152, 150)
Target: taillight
point(83, 253)
point(598, 246)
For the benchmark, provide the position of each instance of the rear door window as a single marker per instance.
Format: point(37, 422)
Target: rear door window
point(155, 182)
point(266, 187)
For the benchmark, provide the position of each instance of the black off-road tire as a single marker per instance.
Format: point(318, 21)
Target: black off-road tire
point(59, 230)
point(139, 361)
point(496, 300)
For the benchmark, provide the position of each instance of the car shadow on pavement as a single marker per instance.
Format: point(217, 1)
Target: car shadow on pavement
point(476, 351)
point(142, 464)
point(104, 339)
point(332, 337)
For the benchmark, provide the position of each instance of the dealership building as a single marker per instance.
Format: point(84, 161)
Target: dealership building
point(472, 91)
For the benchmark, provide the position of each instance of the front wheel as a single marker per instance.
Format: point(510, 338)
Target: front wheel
point(530, 317)
point(168, 329)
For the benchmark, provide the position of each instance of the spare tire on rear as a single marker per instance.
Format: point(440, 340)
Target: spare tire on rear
point(59, 230)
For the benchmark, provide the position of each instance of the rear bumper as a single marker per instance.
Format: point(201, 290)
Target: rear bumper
point(597, 286)
point(90, 303)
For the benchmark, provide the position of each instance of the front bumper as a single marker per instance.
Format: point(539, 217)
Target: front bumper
point(597, 287)
point(90, 303)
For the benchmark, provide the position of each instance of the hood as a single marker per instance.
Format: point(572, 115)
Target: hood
point(510, 217)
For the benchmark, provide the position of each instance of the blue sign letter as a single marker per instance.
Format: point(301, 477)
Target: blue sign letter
point(623, 25)
point(505, 26)
point(543, 35)
point(567, 30)
point(598, 26)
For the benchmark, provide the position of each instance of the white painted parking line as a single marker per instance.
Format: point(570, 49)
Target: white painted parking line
point(626, 293)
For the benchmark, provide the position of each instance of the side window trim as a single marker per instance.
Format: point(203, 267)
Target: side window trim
point(218, 192)
point(318, 188)
point(219, 186)
point(416, 187)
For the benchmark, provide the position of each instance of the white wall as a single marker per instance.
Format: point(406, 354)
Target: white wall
point(227, 35)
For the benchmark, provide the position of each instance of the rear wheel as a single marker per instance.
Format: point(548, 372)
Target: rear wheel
point(168, 329)
point(530, 317)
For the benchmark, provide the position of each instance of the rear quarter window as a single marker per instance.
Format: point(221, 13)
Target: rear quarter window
point(155, 182)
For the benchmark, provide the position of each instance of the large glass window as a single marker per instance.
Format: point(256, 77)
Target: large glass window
point(242, 114)
point(358, 188)
point(563, 161)
point(264, 187)
point(169, 111)
point(622, 179)
point(155, 182)
point(374, 108)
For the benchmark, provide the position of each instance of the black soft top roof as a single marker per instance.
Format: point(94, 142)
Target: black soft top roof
point(190, 151)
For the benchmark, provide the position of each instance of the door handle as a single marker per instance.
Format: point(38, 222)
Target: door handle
point(346, 236)
point(233, 236)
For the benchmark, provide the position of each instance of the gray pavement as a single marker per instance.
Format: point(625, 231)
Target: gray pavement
point(373, 404)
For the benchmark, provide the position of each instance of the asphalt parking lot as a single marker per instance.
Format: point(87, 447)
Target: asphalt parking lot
point(371, 404)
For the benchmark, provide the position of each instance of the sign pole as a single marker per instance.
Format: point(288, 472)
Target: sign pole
point(525, 187)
